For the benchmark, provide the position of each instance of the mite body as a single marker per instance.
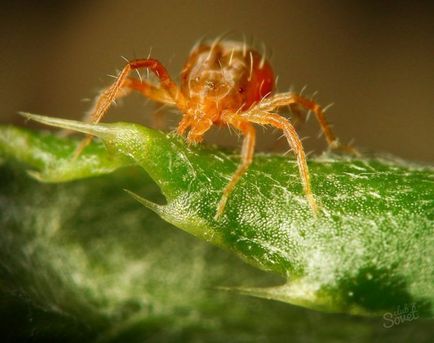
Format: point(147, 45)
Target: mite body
point(219, 80)
point(222, 83)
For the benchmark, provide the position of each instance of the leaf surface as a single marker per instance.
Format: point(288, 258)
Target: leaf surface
point(368, 252)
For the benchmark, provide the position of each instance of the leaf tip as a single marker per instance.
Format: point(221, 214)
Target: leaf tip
point(35, 175)
point(74, 125)
point(148, 204)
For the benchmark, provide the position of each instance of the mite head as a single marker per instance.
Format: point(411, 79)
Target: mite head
point(213, 72)
point(209, 76)
point(228, 74)
point(208, 83)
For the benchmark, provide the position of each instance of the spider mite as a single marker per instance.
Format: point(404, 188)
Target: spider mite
point(223, 83)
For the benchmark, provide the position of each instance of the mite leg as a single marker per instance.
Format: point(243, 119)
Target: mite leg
point(297, 116)
point(284, 99)
point(184, 124)
point(148, 90)
point(298, 113)
point(265, 118)
point(159, 95)
point(123, 83)
point(247, 156)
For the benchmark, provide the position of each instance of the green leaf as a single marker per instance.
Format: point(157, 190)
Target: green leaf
point(368, 252)
point(81, 261)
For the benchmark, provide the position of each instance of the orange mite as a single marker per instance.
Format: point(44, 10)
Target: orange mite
point(223, 83)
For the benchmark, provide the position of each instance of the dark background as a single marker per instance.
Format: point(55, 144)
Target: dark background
point(374, 60)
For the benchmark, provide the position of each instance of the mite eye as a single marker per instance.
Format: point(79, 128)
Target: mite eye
point(241, 90)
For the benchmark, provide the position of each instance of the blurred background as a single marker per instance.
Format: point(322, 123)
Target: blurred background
point(374, 60)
